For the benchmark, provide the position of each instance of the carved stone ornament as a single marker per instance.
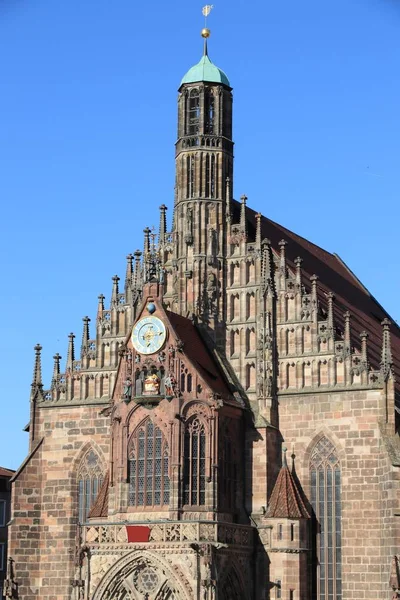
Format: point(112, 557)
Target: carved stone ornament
point(142, 575)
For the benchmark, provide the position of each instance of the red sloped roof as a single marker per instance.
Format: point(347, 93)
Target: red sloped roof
point(334, 276)
point(286, 499)
point(6, 472)
point(200, 356)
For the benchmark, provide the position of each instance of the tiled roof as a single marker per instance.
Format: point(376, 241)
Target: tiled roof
point(286, 499)
point(200, 356)
point(100, 507)
point(6, 472)
point(334, 276)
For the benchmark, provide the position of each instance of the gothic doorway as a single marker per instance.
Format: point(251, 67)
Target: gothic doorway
point(232, 588)
point(140, 576)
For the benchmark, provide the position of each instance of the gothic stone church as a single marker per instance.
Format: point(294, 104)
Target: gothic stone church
point(227, 428)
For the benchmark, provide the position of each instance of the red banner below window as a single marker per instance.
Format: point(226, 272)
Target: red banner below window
point(137, 533)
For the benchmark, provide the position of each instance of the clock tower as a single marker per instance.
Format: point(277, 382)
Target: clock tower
point(204, 169)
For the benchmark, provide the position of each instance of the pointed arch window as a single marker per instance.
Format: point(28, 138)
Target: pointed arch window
point(193, 120)
point(90, 478)
point(148, 467)
point(210, 113)
point(325, 475)
point(190, 170)
point(194, 471)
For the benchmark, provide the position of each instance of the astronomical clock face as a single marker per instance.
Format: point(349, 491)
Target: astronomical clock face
point(148, 335)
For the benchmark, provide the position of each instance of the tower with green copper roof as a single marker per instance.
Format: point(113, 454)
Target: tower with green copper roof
point(204, 170)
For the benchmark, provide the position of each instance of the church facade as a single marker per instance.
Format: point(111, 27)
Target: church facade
point(227, 428)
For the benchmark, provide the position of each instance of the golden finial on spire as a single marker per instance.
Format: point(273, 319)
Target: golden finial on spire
point(205, 32)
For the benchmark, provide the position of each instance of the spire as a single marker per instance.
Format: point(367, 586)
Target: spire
point(386, 354)
point(258, 230)
point(314, 296)
point(331, 325)
point(136, 272)
point(298, 262)
point(347, 340)
point(146, 244)
point(163, 224)
point(243, 199)
point(85, 333)
point(286, 500)
point(205, 32)
point(129, 270)
point(267, 277)
point(37, 369)
point(100, 305)
point(115, 291)
point(56, 369)
point(71, 351)
point(364, 347)
point(282, 258)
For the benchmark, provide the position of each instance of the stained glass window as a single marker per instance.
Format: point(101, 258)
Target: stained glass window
point(194, 473)
point(90, 478)
point(325, 498)
point(148, 467)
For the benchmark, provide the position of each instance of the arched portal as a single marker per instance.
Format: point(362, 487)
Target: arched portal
point(138, 576)
point(232, 587)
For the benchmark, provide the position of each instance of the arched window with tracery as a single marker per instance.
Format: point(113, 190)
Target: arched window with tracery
point(194, 470)
point(90, 478)
point(325, 479)
point(193, 120)
point(148, 467)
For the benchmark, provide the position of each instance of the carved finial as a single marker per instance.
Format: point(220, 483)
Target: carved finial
point(37, 369)
point(314, 297)
point(129, 269)
point(56, 369)
point(71, 351)
point(364, 347)
point(314, 279)
point(228, 199)
point(243, 199)
point(298, 262)
point(267, 276)
point(282, 259)
point(163, 224)
point(85, 333)
point(137, 270)
point(258, 230)
point(293, 456)
point(347, 341)
point(146, 243)
point(115, 290)
point(331, 324)
point(284, 460)
point(386, 354)
point(100, 307)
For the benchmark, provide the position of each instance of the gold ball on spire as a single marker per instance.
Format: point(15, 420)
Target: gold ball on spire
point(205, 33)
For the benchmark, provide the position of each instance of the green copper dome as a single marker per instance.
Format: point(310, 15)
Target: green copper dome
point(205, 70)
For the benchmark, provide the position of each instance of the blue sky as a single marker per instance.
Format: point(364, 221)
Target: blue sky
point(87, 129)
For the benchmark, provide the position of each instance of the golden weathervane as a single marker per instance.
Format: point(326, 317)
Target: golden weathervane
point(205, 32)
